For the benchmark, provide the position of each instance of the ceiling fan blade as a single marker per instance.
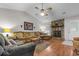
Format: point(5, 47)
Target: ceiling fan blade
point(49, 8)
point(36, 8)
point(46, 14)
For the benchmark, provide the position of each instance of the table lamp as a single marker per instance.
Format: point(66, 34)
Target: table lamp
point(7, 32)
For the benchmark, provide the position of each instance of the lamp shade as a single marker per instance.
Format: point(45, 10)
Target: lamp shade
point(7, 30)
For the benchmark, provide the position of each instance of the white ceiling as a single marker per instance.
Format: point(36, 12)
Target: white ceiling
point(59, 10)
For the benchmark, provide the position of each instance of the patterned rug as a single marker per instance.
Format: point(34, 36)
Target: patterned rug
point(41, 46)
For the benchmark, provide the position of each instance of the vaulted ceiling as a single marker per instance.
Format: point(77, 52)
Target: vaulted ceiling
point(59, 10)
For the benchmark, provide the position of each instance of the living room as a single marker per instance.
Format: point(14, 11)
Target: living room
point(39, 29)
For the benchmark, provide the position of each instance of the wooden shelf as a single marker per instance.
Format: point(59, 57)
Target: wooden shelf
point(58, 28)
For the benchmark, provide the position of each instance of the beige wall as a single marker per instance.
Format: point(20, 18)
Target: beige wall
point(13, 19)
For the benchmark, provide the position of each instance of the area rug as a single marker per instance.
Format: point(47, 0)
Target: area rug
point(41, 46)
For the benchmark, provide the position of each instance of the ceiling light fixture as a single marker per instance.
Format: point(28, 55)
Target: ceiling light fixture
point(43, 12)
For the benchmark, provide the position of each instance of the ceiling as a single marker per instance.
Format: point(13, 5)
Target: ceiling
point(59, 10)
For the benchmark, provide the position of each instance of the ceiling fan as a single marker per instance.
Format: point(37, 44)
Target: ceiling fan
point(43, 12)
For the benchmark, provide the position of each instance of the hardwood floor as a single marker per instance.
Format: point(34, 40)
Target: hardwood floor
point(55, 48)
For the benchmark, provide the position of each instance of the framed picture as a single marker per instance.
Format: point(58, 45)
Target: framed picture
point(28, 26)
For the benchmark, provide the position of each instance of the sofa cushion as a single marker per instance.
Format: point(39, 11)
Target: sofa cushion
point(2, 41)
point(26, 49)
point(1, 50)
point(12, 42)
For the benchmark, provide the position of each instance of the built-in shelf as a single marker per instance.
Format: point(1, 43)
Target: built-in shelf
point(58, 28)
